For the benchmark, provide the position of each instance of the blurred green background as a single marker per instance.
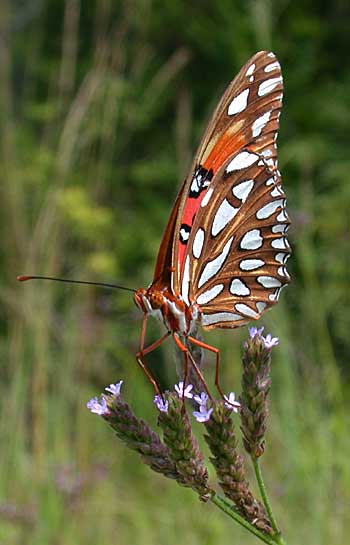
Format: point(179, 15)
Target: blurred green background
point(102, 107)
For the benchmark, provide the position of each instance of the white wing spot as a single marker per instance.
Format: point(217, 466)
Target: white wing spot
point(269, 282)
point(280, 228)
point(273, 66)
point(260, 123)
point(225, 213)
point(270, 181)
point(198, 243)
point(242, 190)
point(215, 265)
point(186, 281)
point(245, 309)
point(277, 192)
point(252, 240)
point(185, 235)
point(271, 55)
point(207, 196)
point(268, 85)
point(282, 216)
point(266, 152)
point(260, 305)
point(274, 296)
point(209, 295)
point(269, 208)
point(282, 271)
point(250, 70)
point(244, 159)
point(238, 287)
point(239, 103)
point(282, 257)
point(280, 244)
point(209, 319)
point(251, 264)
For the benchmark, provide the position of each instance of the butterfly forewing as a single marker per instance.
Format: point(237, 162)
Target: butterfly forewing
point(245, 119)
point(241, 115)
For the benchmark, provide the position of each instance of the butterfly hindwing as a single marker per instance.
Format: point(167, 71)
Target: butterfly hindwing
point(235, 264)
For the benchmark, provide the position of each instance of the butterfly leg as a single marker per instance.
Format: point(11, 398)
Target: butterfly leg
point(188, 356)
point(216, 351)
point(144, 351)
point(185, 352)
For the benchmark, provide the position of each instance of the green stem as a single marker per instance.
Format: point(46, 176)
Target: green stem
point(228, 509)
point(277, 538)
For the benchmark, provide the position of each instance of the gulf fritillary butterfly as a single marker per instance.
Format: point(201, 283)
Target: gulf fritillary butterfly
point(222, 259)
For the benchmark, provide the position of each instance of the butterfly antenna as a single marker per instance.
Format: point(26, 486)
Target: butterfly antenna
point(24, 278)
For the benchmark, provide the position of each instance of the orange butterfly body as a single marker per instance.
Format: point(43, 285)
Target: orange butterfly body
point(222, 259)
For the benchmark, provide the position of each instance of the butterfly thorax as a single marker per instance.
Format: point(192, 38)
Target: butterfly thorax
point(168, 308)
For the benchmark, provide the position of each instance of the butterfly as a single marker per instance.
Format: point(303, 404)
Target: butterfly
point(221, 262)
point(222, 259)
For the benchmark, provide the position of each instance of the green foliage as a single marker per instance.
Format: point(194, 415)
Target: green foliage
point(101, 107)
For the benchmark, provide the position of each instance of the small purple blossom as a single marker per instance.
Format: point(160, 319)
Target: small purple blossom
point(201, 399)
point(181, 392)
point(98, 406)
point(270, 341)
point(203, 414)
point(114, 389)
point(253, 331)
point(231, 403)
point(161, 404)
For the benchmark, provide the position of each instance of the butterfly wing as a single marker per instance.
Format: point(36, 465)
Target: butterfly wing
point(233, 261)
point(164, 268)
point(238, 146)
point(235, 264)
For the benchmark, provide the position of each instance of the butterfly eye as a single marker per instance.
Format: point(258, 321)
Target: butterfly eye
point(139, 298)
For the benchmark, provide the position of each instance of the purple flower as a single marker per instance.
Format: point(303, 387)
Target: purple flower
point(270, 341)
point(161, 404)
point(203, 414)
point(231, 403)
point(181, 392)
point(98, 406)
point(253, 331)
point(201, 399)
point(114, 389)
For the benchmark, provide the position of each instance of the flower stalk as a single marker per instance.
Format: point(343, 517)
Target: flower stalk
point(229, 466)
point(183, 448)
point(177, 454)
